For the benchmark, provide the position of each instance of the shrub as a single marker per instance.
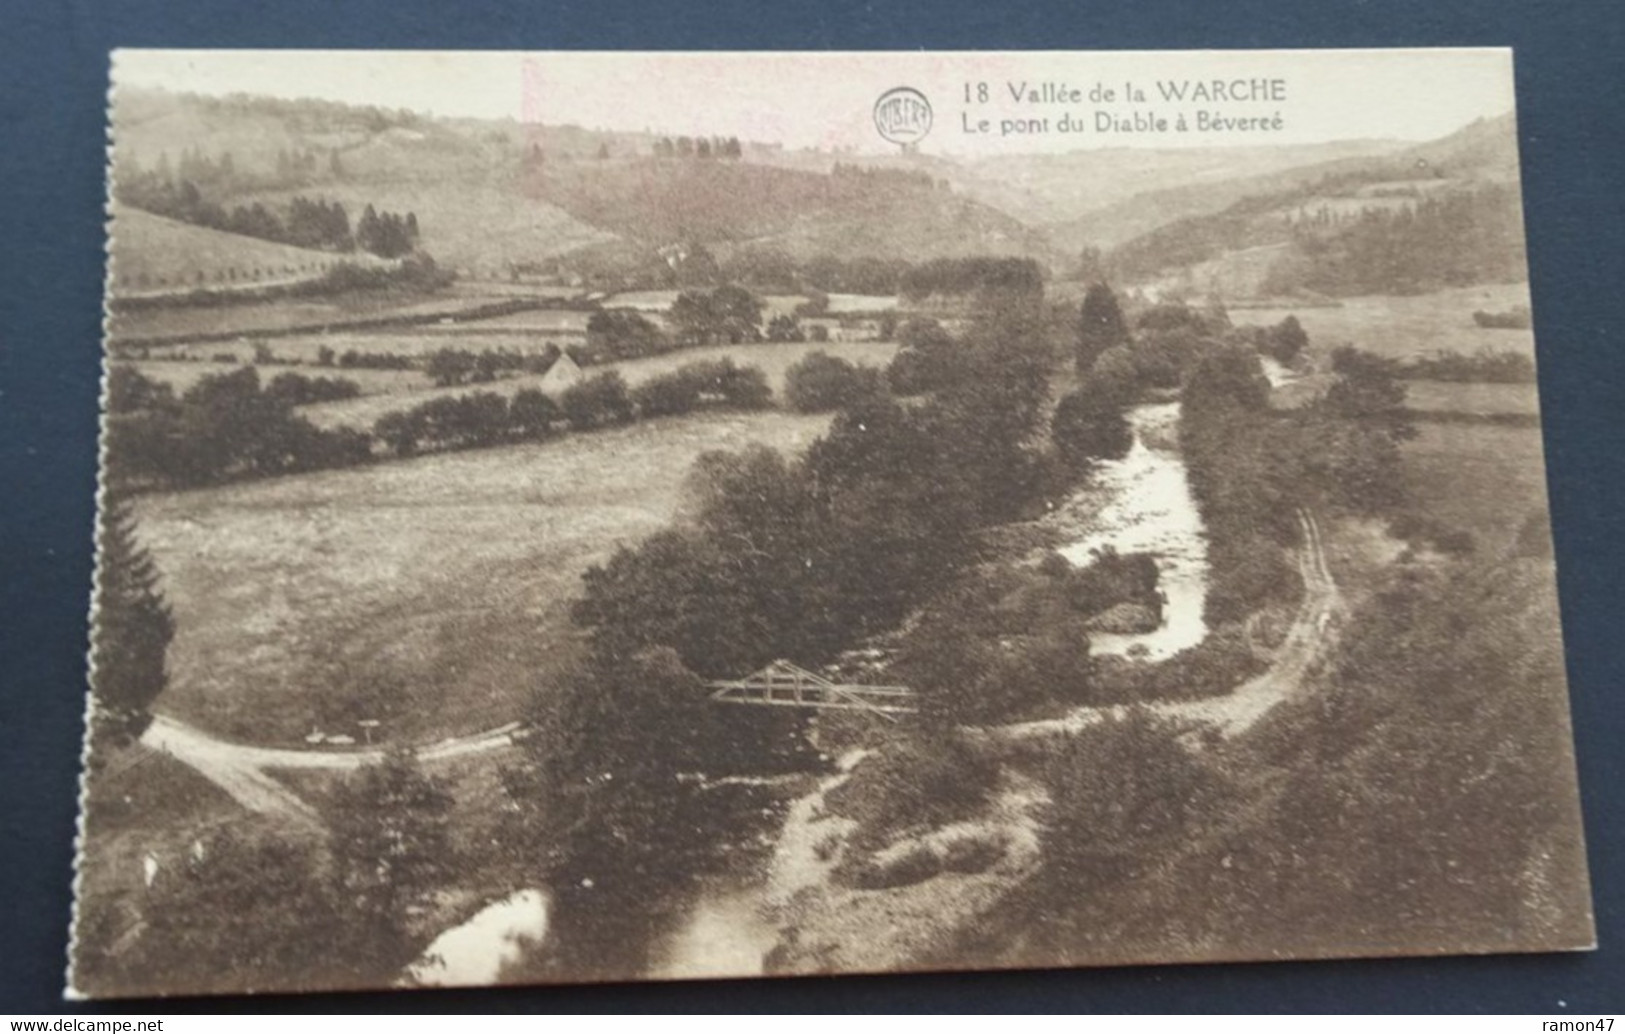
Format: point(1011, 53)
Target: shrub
point(1213, 667)
point(532, 414)
point(1122, 789)
point(716, 382)
point(1111, 578)
point(742, 387)
point(298, 390)
point(820, 382)
point(918, 781)
point(597, 401)
point(450, 366)
point(1089, 427)
point(671, 394)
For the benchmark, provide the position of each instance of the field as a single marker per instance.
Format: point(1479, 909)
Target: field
point(438, 587)
point(839, 303)
point(772, 359)
point(182, 375)
point(475, 224)
point(154, 255)
point(1484, 478)
point(1405, 326)
point(546, 321)
point(290, 314)
point(1475, 398)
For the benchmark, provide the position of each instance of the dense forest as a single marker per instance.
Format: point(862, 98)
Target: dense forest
point(1409, 244)
point(1465, 237)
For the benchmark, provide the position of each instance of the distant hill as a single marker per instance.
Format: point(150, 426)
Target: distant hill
point(1046, 190)
point(1486, 149)
point(1444, 213)
point(489, 194)
point(151, 255)
point(659, 201)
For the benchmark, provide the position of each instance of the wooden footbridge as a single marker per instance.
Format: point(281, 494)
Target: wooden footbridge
point(782, 684)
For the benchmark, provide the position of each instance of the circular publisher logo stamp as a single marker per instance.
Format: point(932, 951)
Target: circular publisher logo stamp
point(903, 115)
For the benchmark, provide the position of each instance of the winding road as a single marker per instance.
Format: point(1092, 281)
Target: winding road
point(243, 771)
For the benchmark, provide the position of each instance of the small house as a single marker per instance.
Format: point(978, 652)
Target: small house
point(561, 376)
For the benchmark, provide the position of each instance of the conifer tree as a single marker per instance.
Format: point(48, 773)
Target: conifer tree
point(133, 627)
point(366, 230)
point(1103, 327)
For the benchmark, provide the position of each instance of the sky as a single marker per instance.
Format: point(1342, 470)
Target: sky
point(827, 99)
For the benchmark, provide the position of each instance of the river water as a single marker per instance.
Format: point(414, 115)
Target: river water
point(474, 952)
point(1149, 508)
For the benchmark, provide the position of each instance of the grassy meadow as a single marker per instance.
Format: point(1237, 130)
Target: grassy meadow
point(439, 586)
point(150, 253)
point(1482, 477)
point(285, 314)
point(182, 375)
point(474, 225)
point(1405, 326)
point(1475, 398)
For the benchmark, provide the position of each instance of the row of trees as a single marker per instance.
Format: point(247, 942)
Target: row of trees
point(729, 314)
point(967, 276)
point(229, 426)
point(484, 419)
point(224, 175)
point(226, 426)
point(1486, 365)
point(386, 234)
point(701, 147)
point(448, 367)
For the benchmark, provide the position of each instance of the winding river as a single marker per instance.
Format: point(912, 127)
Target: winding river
point(1148, 508)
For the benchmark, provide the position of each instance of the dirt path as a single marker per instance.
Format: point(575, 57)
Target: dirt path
point(243, 771)
point(1306, 644)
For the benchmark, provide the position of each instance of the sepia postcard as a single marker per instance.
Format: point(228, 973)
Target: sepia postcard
point(633, 516)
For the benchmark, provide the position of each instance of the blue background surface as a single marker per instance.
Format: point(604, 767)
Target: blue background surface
point(1570, 71)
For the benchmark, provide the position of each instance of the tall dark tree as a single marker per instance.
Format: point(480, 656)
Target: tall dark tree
point(1089, 424)
point(1102, 326)
point(1368, 387)
point(366, 229)
point(391, 852)
point(627, 831)
point(134, 627)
